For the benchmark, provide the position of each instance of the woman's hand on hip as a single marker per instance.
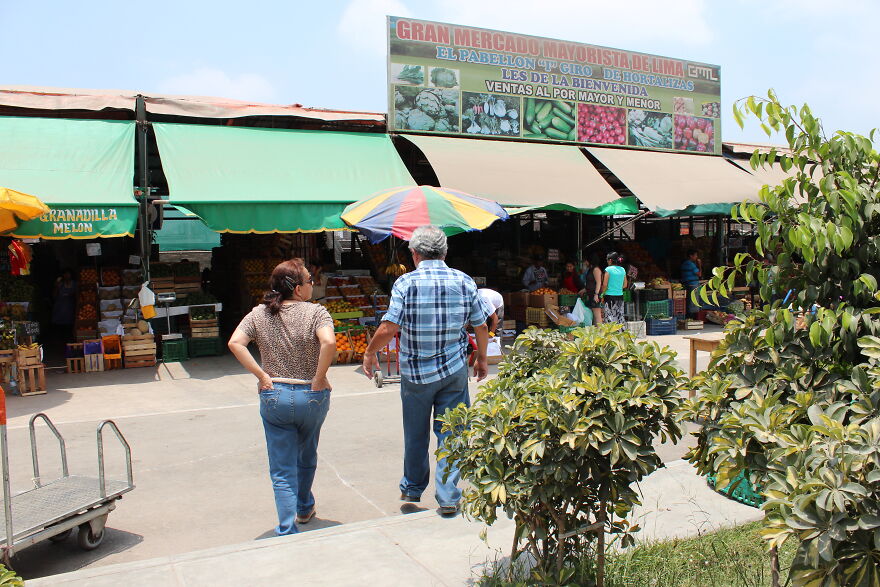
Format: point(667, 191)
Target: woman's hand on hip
point(321, 383)
point(265, 381)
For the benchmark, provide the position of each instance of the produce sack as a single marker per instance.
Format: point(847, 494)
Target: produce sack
point(147, 299)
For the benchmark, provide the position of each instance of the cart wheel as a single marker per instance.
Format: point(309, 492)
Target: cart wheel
point(87, 539)
point(377, 376)
point(62, 537)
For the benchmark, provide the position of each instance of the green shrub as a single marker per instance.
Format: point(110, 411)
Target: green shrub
point(558, 439)
point(792, 395)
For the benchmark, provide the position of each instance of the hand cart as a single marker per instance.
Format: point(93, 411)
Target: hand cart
point(393, 373)
point(52, 510)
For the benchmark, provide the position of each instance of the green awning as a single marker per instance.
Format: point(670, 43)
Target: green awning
point(620, 206)
point(257, 180)
point(184, 232)
point(82, 169)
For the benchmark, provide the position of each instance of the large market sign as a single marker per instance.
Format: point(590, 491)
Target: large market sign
point(80, 222)
point(458, 80)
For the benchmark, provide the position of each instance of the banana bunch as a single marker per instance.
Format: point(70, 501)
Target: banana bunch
point(31, 346)
point(395, 270)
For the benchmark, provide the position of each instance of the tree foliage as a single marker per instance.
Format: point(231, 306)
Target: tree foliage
point(792, 394)
point(558, 440)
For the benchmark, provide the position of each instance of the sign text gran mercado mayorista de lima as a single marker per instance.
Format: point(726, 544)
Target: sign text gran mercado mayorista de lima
point(458, 80)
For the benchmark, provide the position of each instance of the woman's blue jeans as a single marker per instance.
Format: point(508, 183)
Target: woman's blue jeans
point(292, 418)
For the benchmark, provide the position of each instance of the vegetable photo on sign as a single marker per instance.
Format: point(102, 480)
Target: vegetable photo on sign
point(490, 114)
point(694, 134)
point(650, 129)
point(601, 124)
point(409, 74)
point(426, 109)
point(549, 119)
point(442, 77)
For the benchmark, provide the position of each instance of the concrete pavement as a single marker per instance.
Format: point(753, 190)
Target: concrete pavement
point(415, 549)
point(200, 460)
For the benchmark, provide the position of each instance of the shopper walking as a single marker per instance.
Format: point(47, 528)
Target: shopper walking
point(430, 307)
point(592, 290)
point(613, 284)
point(297, 345)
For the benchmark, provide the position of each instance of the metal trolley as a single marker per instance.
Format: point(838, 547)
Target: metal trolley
point(392, 367)
point(52, 510)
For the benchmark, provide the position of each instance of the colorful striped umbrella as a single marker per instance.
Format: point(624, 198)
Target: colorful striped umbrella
point(401, 210)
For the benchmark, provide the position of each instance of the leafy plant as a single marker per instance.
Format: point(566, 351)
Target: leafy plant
point(558, 439)
point(792, 394)
point(8, 578)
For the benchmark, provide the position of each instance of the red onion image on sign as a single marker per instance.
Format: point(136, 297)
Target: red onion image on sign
point(601, 124)
point(694, 134)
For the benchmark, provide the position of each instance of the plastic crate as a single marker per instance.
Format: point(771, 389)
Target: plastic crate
point(637, 328)
point(659, 327)
point(631, 311)
point(568, 299)
point(652, 295)
point(174, 351)
point(204, 347)
point(679, 306)
point(657, 308)
point(743, 490)
point(627, 295)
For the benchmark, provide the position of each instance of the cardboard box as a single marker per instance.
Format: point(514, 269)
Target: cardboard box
point(557, 318)
point(543, 300)
point(505, 299)
point(518, 299)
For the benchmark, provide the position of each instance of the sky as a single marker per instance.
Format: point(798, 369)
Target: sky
point(332, 53)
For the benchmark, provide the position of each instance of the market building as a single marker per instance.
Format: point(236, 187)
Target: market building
point(201, 197)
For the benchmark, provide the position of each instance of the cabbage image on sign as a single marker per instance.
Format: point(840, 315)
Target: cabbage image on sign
point(597, 95)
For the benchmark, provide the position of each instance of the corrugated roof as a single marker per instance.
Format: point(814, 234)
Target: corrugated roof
point(47, 98)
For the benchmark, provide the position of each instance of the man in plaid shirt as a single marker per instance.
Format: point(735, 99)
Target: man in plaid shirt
point(430, 307)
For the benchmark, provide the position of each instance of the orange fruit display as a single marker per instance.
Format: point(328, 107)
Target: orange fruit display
point(342, 343)
point(359, 342)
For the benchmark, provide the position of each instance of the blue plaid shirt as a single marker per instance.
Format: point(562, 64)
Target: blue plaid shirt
point(432, 305)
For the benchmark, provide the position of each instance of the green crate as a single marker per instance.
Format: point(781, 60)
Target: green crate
point(627, 295)
point(743, 490)
point(656, 308)
point(568, 299)
point(174, 351)
point(205, 347)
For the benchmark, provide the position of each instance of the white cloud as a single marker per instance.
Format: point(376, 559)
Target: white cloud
point(615, 24)
point(206, 81)
point(362, 24)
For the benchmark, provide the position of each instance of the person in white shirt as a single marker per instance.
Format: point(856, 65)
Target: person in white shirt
point(495, 302)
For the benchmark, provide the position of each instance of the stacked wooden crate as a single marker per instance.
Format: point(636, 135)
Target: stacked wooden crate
point(31, 371)
point(138, 350)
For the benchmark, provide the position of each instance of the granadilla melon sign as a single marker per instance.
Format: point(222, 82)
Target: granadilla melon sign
point(459, 80)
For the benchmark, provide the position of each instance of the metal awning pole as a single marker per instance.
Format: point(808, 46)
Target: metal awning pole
point(624, 224)
point(144, 232)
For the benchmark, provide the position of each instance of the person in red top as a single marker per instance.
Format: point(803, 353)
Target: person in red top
point(570, 278)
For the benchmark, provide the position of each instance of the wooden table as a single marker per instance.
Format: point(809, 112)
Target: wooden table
point(702, 342)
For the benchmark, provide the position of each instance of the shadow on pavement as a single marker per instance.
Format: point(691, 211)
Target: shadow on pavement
point(51, 558)
point(315, 524)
